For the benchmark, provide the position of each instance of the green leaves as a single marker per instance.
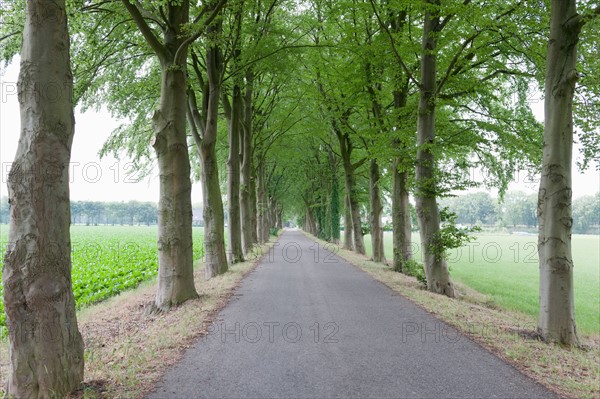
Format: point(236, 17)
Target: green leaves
point(450, 236)
point(109, 260)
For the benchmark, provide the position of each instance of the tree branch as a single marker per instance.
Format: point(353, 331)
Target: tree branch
point(199, 122)
point(9, 35)
point(448, 18)
point(485, 79)
point(393, 43)
point(448, 73)
point(206, 23)
point(155, 44)
point(226, 105)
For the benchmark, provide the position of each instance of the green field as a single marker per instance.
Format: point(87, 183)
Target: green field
point(505, 267)
point(109, 259)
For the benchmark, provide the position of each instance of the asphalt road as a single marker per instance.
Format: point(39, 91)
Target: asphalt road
point(306, 324)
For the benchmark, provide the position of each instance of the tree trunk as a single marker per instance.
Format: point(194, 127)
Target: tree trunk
point(310, 221)
point(214, 224)
point(280, 218)
point(175, 271)
point(347, 224)
point(345, 152)
point(376, 211)
point(334, 204)
point(263, 236)
point(45, 348)
point(436, 268)
point(400, 217)
point(254, 206)
point(233, 183)
point(272, 213)
point(556, 320)
point(175, 262)
point(247, 190)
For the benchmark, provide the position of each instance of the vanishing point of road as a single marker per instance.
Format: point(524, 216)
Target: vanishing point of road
point(306, 324)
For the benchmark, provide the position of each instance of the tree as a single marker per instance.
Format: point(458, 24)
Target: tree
point(436, 268)
point(556, 321)
point(479, 207)
point(45, 346)
point(203, 120)
point(586, 213)
point(519, 209)
point(175, 274)
point(234, 113)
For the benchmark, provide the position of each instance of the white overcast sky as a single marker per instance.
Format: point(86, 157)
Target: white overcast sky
point(97, 180)
point(92, 179)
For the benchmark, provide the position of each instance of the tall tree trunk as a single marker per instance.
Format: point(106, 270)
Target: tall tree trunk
point(45, 347)
point(400, 217)
point(262, 217)
point(334, 203)
point(349, 179)
point(214, 223)
point(175, 272)
point(271, 213)
point(401, 221)
point(556, 320)
point(247, 189)
point(376, 211)
point(175, 259)
point(233, 182)
point(347, 224)
point(280, 217)
point(311, 221)
point(436, 268)
point(254, 205)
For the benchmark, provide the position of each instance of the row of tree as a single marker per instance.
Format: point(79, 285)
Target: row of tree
point(302, 109)
point(108, 213)
point(518, 209)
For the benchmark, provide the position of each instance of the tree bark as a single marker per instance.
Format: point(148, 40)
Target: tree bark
point(400, 217)
point(334, 202)
point(175, 271)
point(280, 217)
point(310, 222)
point(214, 220)
point(436, 268)
point(376, 211)
point(45, 346)
point(246, 191)
point(349, 179)
point(262, 217)
point(233, 178)
point(347, 224)
point(175, 261)
point(254, 206)
point(556, 320)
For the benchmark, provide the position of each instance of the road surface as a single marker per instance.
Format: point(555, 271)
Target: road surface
point(306, 324)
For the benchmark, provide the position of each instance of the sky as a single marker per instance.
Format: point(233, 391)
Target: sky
point(92, 178)
point(95, 179)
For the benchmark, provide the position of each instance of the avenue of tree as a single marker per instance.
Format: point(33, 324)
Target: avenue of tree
point(313, 111)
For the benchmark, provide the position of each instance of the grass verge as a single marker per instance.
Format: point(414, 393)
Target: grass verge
point(126, 352)
point(570, 372)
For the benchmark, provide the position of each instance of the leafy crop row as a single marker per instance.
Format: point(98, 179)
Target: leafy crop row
point(108, 260)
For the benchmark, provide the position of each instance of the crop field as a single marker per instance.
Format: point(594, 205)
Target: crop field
point(505, 267)
point(109, 259)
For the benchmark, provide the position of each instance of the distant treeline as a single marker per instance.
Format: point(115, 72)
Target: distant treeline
point(519, 210)
point(110, 213)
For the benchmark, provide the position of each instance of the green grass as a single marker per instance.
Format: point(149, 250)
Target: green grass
point(108, 260)
point(505, 267)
